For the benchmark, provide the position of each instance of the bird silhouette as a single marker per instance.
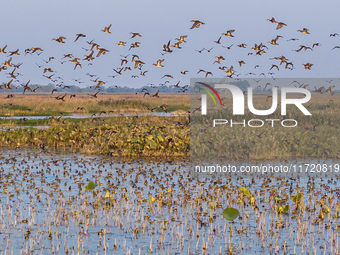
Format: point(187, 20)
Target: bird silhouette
point(107, 29)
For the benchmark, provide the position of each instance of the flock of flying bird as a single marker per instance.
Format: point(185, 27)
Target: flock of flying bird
point(94, 50)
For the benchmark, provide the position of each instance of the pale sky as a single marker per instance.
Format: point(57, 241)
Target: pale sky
point(34, 23)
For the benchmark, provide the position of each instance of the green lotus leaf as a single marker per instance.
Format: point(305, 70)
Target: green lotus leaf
point(91, 186)
point(230, 213)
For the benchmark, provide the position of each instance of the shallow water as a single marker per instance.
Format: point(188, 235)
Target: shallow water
point(163, 207)
point(84, 116)
point(4, 128)
point(80, 116)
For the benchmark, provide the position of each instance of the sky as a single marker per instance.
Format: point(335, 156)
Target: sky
point(35, 23)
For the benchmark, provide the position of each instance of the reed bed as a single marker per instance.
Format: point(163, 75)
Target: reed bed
point(117, 136)
point(47, 105)
point(315, 136)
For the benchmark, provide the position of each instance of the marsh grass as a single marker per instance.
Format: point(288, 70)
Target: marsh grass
point(47, 105)
point(278, 142)
point(115, 136)
point(130, 137)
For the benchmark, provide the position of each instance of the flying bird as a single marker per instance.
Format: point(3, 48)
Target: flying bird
point(107, 29)
point(182, 39)
point(78, 36)
point(218, 40)
point(280, 25)
point(159, 63)
point(304, 31)
point(166, 47)
point(272, 20)
point(229, 33)
point(3, 49)
point(60, 39)
point(307, 66)
point(196, 24)
point(134, 35)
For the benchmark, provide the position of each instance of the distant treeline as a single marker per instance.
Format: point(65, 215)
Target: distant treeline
point(75, 89)
point(89, 89)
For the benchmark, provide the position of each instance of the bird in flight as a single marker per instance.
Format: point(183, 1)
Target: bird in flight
point(95, 95)
point(230, 71)
point(219, 58)
point(78, 36)
point(307, 66)
point(156, 94)
point(177, 45)
point(36, 49)
point(168, 76)
point(107, 29)
point(11, 53)
point(166, 47)
point(61, 97)
point(101, 51)
point(227, 47)
point(303, 47)
point(229, 33)
point(272, 20)
point(319, 90)
point(134, 45)
point(8, 62)
point(134, 35)
point(280, 25)
point(163, 107)
point(60, 39)
point(152, 109)
point(241, 62)
point(274, 41)
point(196, 24)
point(138, 63)
point(121, 43)
point(8, 85)
point(26, 87)
point(89, 57)
point(118, 71)
point(218, 40)
point(304, 31)
point(143, 73)
point(48, 70)
point(329, 90)
point(159, 63)
point(3, 49)
point(182, 39)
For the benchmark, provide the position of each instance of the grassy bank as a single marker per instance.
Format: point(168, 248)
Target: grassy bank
point(315, 136)
point(47, 105)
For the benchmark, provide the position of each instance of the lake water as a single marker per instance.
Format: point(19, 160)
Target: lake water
point(83, 116)
point(155, 207)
